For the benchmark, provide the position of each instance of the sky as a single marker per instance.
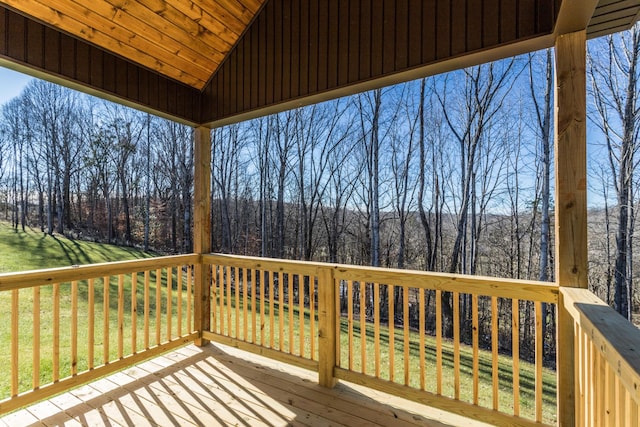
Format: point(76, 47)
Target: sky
point(11, 84)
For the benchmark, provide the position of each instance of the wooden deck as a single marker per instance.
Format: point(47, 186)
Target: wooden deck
point(219, 385)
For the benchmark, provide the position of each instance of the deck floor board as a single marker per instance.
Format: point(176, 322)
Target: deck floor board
point(220, 385)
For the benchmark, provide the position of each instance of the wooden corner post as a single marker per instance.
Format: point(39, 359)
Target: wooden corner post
point(327, 326)
point(571, 203)
point(202, 230)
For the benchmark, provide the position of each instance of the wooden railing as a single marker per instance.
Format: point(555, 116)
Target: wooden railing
point(391, 330)
point(607, 362)
point(266, 306)
point(469, 345)
point(68, 326)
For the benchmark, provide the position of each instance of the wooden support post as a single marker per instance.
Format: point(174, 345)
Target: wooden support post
point(202, 230)
point(571, 203)
point(327, 318)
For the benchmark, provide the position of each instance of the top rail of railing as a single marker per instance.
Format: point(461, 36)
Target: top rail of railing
point(28, 279)
point(488, 286)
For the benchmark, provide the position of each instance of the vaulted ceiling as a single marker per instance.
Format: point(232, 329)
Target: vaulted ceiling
point(219, 61)
point(185, 40)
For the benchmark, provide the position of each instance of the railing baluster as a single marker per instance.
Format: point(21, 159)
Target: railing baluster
point(105, 320)
point(610, 393)
point(392, 331)
point(222, 285)
point(215, 298)
point(632, 412)
point(134, 312)
point(236, 301)
point(281, 311)
point(312, 316)
point(350, 322)
point(301, 297)
point(438, 342)
point(74, 328)
point(456, 345)
point(591, 371)
point(120, 316)
point(363, 327)
point(189, 298)
point(405, 324)
point(169, 301)
point(36, 338)
point(495, 380)
point(263, 282)
point(254, 288)
point(421, 332)
point(15, 337)
point(228, 280)
point(180, 291)
point(376, 327)
point(579, 386)
point(620, 392)
point(290, 305)
point(91, 324)
point(627, 408)
point(56, 332)
point(245, 326)
point(515, 354)
point(272, 306)
point(475, 345)
point(600, 384)
point(158, 306)
point(539, 360)
point(337, 307)
point(584, 348)
point(147, 304)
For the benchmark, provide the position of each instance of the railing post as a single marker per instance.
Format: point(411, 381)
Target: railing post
point(327, 326)
point(202, 230)
point(571, 204)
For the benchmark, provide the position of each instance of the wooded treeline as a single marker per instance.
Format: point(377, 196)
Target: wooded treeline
point(452, 173)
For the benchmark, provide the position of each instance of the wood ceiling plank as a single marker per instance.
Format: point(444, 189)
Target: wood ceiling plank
point(169, 51)
point(117, 20)
point(252, 5)
point(209, 17)
point(236, 8)
point(72, 26)
point(144, 26)
point(166, 18)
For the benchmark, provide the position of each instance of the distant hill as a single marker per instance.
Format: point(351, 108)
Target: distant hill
point(32, 250)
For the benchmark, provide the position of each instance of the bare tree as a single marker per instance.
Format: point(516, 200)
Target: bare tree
point(485, 88)
point(614, 81)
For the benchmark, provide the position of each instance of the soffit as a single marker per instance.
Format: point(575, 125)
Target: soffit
point(613, 16)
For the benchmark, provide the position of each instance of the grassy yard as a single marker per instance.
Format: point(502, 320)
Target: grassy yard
point(32, 249)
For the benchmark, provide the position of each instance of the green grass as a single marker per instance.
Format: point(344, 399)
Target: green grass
point(32, 249)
